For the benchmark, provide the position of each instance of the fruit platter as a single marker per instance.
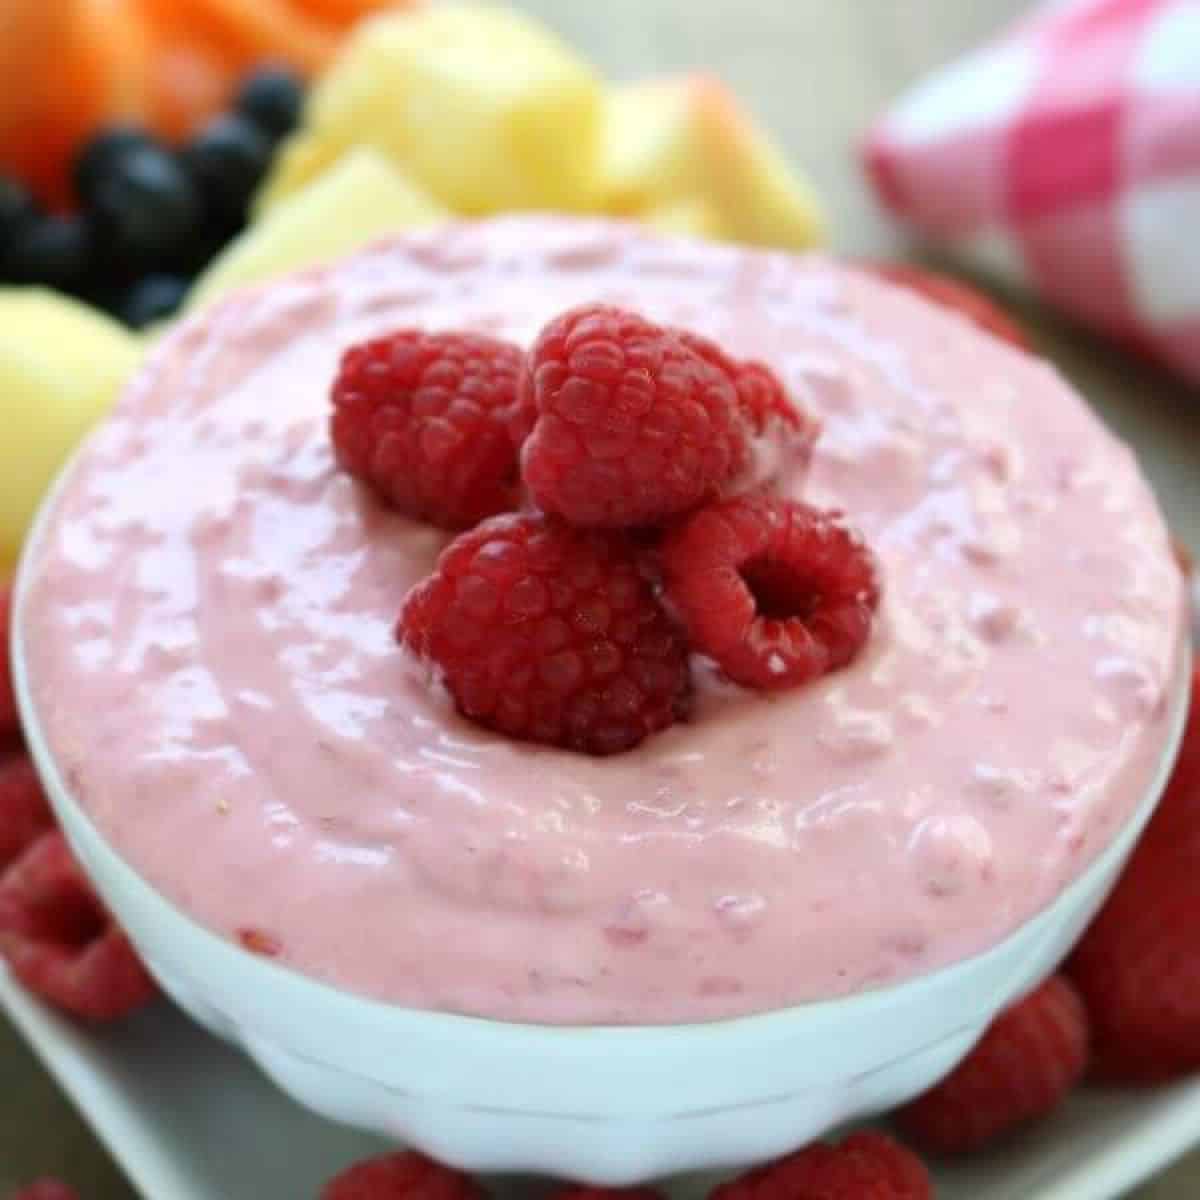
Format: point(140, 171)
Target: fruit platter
point(517, 670)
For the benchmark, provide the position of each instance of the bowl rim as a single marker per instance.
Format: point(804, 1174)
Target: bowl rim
point(865, 1004)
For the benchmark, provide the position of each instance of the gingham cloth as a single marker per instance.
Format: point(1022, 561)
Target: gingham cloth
point(1065, 157)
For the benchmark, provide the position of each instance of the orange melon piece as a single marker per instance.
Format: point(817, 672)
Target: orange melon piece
point(113, 33)
point(172, 63)
point(188, 83)
point(245, 33)
point(102, 48)
point(344, 13)
point(32, 31)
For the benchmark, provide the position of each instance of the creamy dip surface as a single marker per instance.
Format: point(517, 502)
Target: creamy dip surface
point(209, 634)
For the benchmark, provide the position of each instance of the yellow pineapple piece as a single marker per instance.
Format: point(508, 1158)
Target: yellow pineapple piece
point(685, 144)
point(651, 154)
point(361, 198)
point(299, 160)
point(695, 217)
point(483, 107)
point(61, 364)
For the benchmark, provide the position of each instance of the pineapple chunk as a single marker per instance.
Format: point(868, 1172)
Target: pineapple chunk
point(360, 199)
point(483, 107)
point(691, 218)
point(685, 144)
point(300, 159)
point(61, 364)
point(652, 155)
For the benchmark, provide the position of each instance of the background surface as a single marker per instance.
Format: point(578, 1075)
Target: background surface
point(816, 73)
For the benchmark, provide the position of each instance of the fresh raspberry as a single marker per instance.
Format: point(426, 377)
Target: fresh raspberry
point(404, 1176)
point(776, 592)
point(1138, 970)
point(864, 1166)
point(1138, 965)
point(101, 982)
point(960, 297)
point(765, 405)
point(10, 726)
point(765, 400)
point(431, 421)
point(46, 1189)
point(632, 426)
point(45, 897)
point(582, 1191)
point(1175, 826)
point(1021, 1070)
point(24, 811)
point(550, 634)
point(60, 943)
point(761, 394)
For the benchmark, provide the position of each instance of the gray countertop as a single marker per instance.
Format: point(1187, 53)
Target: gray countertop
point(815, 71)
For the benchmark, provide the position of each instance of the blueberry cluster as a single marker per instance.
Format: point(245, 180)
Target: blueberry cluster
point(150, 216)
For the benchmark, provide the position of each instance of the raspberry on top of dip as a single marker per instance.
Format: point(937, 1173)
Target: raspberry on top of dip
point(209, 636)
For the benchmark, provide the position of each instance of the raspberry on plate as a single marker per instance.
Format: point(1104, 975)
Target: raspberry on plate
point(864, 1166)
point(1175, 826)
point(24, 810)
point(583, 1191)
point(1021, 1070)
point(633, 426)
point(1138, 970)
point(947, 292)
point(1138, 964)
point(60, 943)
point(432, 421)
point(46, 1189)
point(9, 724)
point(776, 592)
point(401, 1176)
point(550, 634)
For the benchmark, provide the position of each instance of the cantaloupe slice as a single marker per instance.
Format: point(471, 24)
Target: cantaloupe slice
point(91, 70)
point(344, 13)
point(247, 31)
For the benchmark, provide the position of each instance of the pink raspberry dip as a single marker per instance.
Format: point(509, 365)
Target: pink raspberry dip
point(209, 634)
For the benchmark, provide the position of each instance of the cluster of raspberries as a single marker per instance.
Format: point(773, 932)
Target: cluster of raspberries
point(615, 482)
point(863, 1166)
point(55, 936)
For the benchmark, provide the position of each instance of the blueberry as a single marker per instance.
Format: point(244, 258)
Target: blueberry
point(100, 154)
point(272, 98)
point(151, 299)
point(146, 209)
point(227, 160)
point(54, 251)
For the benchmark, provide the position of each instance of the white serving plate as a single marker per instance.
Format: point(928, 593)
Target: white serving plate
point(189, 1119)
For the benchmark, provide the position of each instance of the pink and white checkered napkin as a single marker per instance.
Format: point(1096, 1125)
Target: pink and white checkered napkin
point(1065, 156)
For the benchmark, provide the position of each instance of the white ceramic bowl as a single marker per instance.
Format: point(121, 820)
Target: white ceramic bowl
point(606, 1105)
